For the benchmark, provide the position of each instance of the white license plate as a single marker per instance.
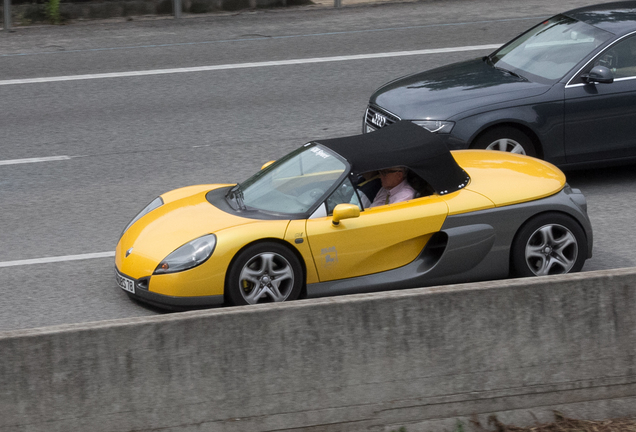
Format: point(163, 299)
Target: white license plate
point(126, 284)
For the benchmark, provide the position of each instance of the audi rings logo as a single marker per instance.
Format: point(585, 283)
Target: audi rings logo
point(379, 120)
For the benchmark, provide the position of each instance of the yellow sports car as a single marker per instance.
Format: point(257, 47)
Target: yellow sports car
point(299, 227)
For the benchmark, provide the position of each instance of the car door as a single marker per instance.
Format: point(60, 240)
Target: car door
point(599, 118)
point(380, 239)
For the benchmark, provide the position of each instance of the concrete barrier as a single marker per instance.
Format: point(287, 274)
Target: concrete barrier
point(423, 359)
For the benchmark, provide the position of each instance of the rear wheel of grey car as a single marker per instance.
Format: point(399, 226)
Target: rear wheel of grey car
point(264, 273)
point(508, 139)
point(549, 244)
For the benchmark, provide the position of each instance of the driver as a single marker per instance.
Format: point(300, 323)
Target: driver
point(395, 188)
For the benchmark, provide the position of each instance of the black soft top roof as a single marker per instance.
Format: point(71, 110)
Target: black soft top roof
point(403, 144)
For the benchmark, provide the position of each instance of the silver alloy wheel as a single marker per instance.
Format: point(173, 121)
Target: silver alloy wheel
point(507, 145)
point(551, 249)
point(267, 276)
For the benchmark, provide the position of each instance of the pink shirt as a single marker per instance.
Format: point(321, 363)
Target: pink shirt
point(401, 192)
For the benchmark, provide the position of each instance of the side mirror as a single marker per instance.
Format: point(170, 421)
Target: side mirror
point(266, 164)
point(599, 74)
point(345, 211)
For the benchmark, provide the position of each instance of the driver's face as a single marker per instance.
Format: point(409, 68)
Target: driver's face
point(390, 178)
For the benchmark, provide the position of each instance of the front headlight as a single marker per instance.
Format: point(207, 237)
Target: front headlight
point(188, 256)
point(436, 126)
point(157, 202)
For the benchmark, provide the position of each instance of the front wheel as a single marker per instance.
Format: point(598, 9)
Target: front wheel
point(549, 244)
point(506, 139)
point(264, 273)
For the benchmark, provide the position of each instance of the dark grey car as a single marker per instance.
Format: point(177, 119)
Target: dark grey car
point(564, 91)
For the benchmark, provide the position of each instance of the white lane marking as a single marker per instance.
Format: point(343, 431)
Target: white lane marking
point(246, 65)
point(33, 160)
point(57, 259)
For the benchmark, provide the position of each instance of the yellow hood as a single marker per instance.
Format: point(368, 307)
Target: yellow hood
point(184, 216)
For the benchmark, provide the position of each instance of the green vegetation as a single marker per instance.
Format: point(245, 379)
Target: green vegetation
point(52, 10)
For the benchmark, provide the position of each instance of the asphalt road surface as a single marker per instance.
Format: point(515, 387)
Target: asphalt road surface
point(98, 119)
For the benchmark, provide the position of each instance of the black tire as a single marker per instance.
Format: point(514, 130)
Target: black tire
point(264, 273)
point(506, 138)
point(548, 244)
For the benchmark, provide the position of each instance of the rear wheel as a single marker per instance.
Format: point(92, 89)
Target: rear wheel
point(548, 244)
point(508, 139)
point(264, 273)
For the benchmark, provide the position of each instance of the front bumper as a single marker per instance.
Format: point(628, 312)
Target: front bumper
point(138, 290)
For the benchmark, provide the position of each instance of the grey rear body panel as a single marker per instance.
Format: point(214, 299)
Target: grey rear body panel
point(469, 247)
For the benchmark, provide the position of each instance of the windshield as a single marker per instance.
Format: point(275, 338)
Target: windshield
point(295, 183)
point(549, 50)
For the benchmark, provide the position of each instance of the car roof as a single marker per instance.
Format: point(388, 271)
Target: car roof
point(616, 17)
point(402, 144)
